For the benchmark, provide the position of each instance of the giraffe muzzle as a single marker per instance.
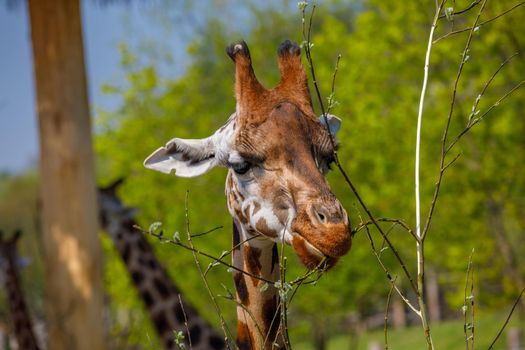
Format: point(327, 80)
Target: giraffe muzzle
point(321, 232)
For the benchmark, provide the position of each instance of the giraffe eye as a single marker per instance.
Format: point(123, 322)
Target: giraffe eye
point(241, 168)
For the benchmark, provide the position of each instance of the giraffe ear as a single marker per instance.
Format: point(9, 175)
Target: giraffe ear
point(334, 123)
point(184, 157)
point(191, 157)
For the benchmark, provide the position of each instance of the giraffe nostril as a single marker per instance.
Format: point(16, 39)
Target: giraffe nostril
point(320, 215)
point(326, 213)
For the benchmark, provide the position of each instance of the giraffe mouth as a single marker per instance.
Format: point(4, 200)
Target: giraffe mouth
point(310, 247)
point(311, 256)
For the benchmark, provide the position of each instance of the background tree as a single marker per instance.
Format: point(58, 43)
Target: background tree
point(69, 219)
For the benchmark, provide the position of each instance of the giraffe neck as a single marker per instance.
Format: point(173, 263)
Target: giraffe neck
point(166, 307)
point(258, 310)
point(23, 326)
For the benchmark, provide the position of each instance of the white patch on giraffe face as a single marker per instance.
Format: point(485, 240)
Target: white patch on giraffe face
point(235, 157)
point(280, 231)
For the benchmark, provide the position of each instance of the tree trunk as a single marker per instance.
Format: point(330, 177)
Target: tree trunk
point(514, 339)
point(320, 338)
point(432, 291)
point(399, 317)
point(68, 192)
point(499, 232)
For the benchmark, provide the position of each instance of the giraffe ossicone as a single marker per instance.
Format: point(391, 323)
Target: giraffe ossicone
point(278, 153)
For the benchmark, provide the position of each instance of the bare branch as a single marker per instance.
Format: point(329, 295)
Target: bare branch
point(331, 100)
point(497, 103)
point(200, 252)
point(507, 320)
point(224, 326)
point(206, 232)
point(447, 126)
point(451, 162)
point(466, 326)
point(399, 222)
point(420, 235)
point(480, 118)
point(307, 46)
point(388, 275)
point(185, 321)
point(387, 308)
point(468, 8)
point(471, 120)
point(480, 24)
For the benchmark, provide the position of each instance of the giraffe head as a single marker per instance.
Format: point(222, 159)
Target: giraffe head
point(113, 213)
point(277, 152)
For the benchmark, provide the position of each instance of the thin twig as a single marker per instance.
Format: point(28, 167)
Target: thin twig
point(306, 37)
point(480, 118)
point(395, 221)
point(388, 275)
point(386, 311)
point(228, 252)
point(283, 327)
point(465, 306)
point(447, 126)
point(200, 252)
point(507, 320)
point(206, 232)
point(468, 8)
point(332, 91)
point(419, 234)
point(471, 120)
point(224, 326)
point(451, 162)
point(185, 321)
point(480, 24)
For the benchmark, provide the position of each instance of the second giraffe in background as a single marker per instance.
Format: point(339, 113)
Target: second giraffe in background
point(168, 309)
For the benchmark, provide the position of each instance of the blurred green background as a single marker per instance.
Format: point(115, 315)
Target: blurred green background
point(382, 43)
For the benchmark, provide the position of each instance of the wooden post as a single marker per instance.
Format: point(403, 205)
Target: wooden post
point(68, 192)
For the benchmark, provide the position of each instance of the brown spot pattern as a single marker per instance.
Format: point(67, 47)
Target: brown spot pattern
point(246, 211)
point(244, 337)
point(271, 317)
point(275, 257)
point(256, 207)
point(236, 237)
point(252, 258)
point(263, 228)
point(242, 290)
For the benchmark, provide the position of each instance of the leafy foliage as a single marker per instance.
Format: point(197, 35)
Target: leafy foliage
point(382, 46)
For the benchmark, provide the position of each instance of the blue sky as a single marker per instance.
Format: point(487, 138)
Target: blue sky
point(104, 27)
point(170, 25)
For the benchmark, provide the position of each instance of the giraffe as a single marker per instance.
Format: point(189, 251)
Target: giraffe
point(20, 318)
point(162, 298)
point(278, 153)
